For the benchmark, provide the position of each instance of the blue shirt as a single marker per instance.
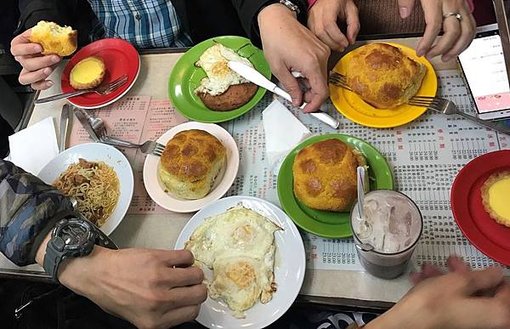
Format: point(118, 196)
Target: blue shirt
point(146, 24)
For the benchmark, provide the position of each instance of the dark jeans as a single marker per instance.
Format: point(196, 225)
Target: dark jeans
point(61, 309)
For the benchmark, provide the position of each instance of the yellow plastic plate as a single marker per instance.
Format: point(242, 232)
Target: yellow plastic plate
point(351, 105)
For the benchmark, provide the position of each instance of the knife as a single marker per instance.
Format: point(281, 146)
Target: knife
point(64, 124)
point(250, 74)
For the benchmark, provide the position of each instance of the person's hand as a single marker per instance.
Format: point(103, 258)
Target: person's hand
point(323, 22)
point(289, 46)
point(36, 67)
point(458, 34)
point(150, 288)
point(461, 299)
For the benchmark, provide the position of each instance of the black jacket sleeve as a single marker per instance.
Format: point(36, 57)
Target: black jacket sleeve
point(74, 13)
point(204, 19)
point(248, 11)
point(32, 11)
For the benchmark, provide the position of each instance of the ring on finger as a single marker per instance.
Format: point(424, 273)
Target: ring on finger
point(458, 16)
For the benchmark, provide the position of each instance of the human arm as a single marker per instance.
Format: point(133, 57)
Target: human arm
point(323, 19)
point(139, 285)
point(37, 67)
point(460, 299)
point(248, 10)
point(149, 288)
point(290, 46)
point(457, 35)
point(28, 210)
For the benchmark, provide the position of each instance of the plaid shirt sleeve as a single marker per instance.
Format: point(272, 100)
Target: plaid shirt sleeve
point(29, 209)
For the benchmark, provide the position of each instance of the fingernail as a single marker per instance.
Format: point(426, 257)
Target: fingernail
point(55, 59)
point(47, 71)
point(404, 12)
point(37, 48)
point(447, 58)
point(49, 84)
point(420, 52)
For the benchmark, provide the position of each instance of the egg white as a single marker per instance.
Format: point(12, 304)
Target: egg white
point(214, 61)
point(236, 239)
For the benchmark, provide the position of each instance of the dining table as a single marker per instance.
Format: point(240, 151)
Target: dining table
point(413, 151)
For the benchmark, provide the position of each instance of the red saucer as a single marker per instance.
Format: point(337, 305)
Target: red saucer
point(119, 56)
point(482, 231)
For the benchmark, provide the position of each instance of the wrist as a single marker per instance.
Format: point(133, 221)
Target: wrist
point(274, 12)
point(83, 274)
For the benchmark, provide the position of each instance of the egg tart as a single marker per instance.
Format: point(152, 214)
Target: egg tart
point(87, 73)
point(496, 197)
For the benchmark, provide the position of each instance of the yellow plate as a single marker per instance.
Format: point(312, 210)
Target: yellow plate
point(355, 109)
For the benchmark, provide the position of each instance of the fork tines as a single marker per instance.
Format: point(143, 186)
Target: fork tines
point(111, 86)
point(426, 101)
point(158, 149)
point(339, 80)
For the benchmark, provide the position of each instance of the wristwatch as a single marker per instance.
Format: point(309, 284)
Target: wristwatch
point(73, 236)
point(291, 5)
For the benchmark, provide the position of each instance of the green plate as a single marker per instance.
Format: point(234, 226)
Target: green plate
point(186, 77)
point(329, 224)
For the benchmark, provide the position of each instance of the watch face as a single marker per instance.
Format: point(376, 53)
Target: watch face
point(76, 234)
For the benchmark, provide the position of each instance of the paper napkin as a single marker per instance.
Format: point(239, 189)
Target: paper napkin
point(283, 132)
point(33, 147)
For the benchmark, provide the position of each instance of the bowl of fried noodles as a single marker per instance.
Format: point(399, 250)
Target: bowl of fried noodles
point(98, 177)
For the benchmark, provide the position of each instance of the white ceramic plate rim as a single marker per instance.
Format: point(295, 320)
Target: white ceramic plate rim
point(155, 188)
point(116, 98)
point(97, 152)
point(290, 265)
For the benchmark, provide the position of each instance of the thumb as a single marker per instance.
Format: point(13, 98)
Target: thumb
point(405, 7)
point(290, 84)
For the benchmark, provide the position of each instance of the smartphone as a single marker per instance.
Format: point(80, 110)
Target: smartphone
point(485, 73)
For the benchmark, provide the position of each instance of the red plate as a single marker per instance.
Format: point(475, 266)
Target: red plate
point(489, 237)
point(119, 56)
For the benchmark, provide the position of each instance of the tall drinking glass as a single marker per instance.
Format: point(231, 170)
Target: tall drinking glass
point(387, 235)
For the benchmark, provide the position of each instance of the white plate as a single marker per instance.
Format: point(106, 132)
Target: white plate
point(289, 266)
point(156, 189)
point(97, 152)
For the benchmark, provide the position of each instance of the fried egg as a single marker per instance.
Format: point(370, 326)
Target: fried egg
point(239, 246)
point(240, 281)
point(214, 61)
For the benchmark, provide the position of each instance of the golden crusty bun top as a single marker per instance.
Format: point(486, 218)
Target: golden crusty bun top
point(383, 75)
point(325, 175)
point(189, 154)
point(54, 39)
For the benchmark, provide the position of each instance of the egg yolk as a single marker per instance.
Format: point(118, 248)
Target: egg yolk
point(498, 197)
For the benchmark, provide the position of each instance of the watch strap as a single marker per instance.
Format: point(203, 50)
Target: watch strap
point(55, 256)
point(291, 5)
point(104, 240)
point(56, 251)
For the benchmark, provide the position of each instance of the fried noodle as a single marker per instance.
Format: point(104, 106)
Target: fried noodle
point(94, 185)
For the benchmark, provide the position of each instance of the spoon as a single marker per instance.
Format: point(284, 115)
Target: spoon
point(360, 176)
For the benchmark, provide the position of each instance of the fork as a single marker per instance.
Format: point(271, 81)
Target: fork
point(339, 80)
point(148, 147)
point(103, 89)
point(448, 107)
point(436, 104)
